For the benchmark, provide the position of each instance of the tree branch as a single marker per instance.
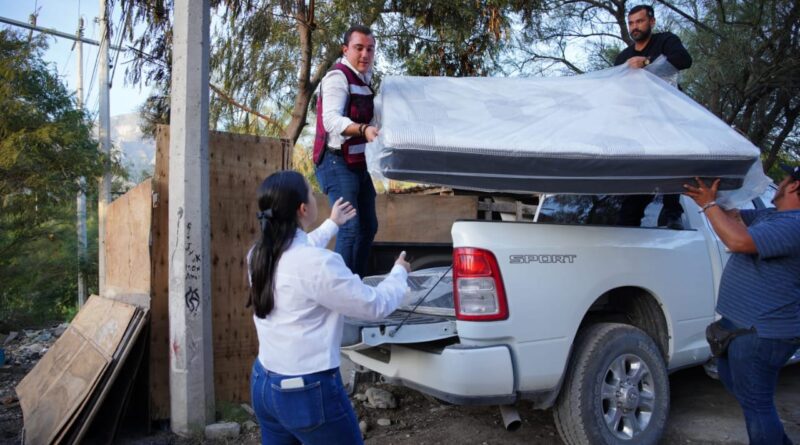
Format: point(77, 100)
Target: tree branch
point(561, 60)
point(688, 17)
point(777, 144)
point(236, 104)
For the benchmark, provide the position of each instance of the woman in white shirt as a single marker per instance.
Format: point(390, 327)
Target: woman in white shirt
point(300, 292)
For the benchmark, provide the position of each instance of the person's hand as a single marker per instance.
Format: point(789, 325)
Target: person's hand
point(342, 211)
point(401, 261)
point(638, 62)
point(702, 194)
point(371, 133)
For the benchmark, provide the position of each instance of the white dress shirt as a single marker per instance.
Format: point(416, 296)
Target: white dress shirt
point(313, 291)
point(335, 94)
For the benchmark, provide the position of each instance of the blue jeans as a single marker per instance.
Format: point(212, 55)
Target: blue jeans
point(317, 413)
point(354, 240)
point(750, 373)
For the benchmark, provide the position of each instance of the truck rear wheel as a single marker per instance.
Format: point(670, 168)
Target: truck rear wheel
point(616, 390)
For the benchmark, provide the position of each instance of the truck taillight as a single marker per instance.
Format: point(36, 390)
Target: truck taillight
point(478, 291)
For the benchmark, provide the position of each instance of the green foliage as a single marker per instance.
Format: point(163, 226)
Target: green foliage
point(303, 162)
point(45, 147)
point(745, 71)
point(269, 56)
point(232, 412)
point(457, 39)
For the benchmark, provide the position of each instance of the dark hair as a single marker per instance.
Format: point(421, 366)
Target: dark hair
point(355, 28)
point(650, 12)
point(279, 197)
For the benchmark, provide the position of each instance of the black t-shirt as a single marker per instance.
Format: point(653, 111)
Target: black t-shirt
point(665, 43)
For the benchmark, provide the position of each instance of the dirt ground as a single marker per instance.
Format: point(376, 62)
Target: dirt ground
point(701, 413)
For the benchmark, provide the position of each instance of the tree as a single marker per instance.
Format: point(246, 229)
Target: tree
point(45, 147)
point(271, 55)
point(746, 72)
point(571, 37)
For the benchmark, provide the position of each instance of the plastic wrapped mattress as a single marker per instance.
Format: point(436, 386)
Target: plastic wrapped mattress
point(615, 131)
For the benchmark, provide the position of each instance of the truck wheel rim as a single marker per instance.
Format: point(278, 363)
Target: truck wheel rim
point(627, 397)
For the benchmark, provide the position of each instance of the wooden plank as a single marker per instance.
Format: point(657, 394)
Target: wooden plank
point(413, 218)
point(159, 301)
point(421, 218)
point(127, 245)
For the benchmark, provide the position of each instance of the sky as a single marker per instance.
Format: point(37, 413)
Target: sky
point(62, 15)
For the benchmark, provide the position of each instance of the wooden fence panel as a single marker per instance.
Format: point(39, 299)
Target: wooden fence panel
point(237, 165)
point(127, 245)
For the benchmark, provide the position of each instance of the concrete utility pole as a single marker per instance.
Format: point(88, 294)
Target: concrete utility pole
point(104, 135)
point(191, 356)
point(81, 200)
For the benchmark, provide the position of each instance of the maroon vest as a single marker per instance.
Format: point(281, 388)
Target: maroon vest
point(359, 108)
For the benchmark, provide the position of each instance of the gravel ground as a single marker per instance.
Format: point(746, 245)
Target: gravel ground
point(702, 412)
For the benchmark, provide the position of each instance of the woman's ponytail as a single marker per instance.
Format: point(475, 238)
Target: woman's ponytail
point(279, 198)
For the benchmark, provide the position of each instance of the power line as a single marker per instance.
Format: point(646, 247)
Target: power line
point(66, 62)
point(94, 71)
point(119, 42)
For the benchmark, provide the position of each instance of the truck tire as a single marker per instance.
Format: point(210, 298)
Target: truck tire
point(616, 390)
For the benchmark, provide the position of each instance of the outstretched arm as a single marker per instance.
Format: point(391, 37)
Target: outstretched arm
point(727, 224)
point(341, 212)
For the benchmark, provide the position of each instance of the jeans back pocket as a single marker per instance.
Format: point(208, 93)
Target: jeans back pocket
point(299, 409)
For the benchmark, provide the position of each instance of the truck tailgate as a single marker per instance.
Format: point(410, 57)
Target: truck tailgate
point(430, 316)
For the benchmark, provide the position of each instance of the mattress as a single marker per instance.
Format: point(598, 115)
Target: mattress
point(615, 131)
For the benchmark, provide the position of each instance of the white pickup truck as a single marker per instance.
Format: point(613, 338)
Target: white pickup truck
point(570, 312)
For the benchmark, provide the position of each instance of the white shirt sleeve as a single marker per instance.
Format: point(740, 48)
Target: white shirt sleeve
point(335, 93)
point(342, 291)
point(320, 236)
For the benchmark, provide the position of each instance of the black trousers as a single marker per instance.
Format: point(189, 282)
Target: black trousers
point(632, 210)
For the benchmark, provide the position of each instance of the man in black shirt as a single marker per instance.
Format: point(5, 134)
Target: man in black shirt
point(646, 48)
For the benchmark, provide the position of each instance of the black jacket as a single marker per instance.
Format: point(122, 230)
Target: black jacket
point(665, 43)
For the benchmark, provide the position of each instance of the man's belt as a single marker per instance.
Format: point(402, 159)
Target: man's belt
point(334, 151)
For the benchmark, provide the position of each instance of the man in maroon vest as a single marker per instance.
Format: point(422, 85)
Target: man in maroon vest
point(344, 126)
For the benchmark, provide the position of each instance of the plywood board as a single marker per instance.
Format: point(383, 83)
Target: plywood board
point(103, 322)
point(108, 399)
point(127, 245)
point(52, 392)
point(59, 385)
point(237, 164)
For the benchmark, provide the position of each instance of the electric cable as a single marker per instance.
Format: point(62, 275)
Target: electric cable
point(119, 45)
point(63, 70)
